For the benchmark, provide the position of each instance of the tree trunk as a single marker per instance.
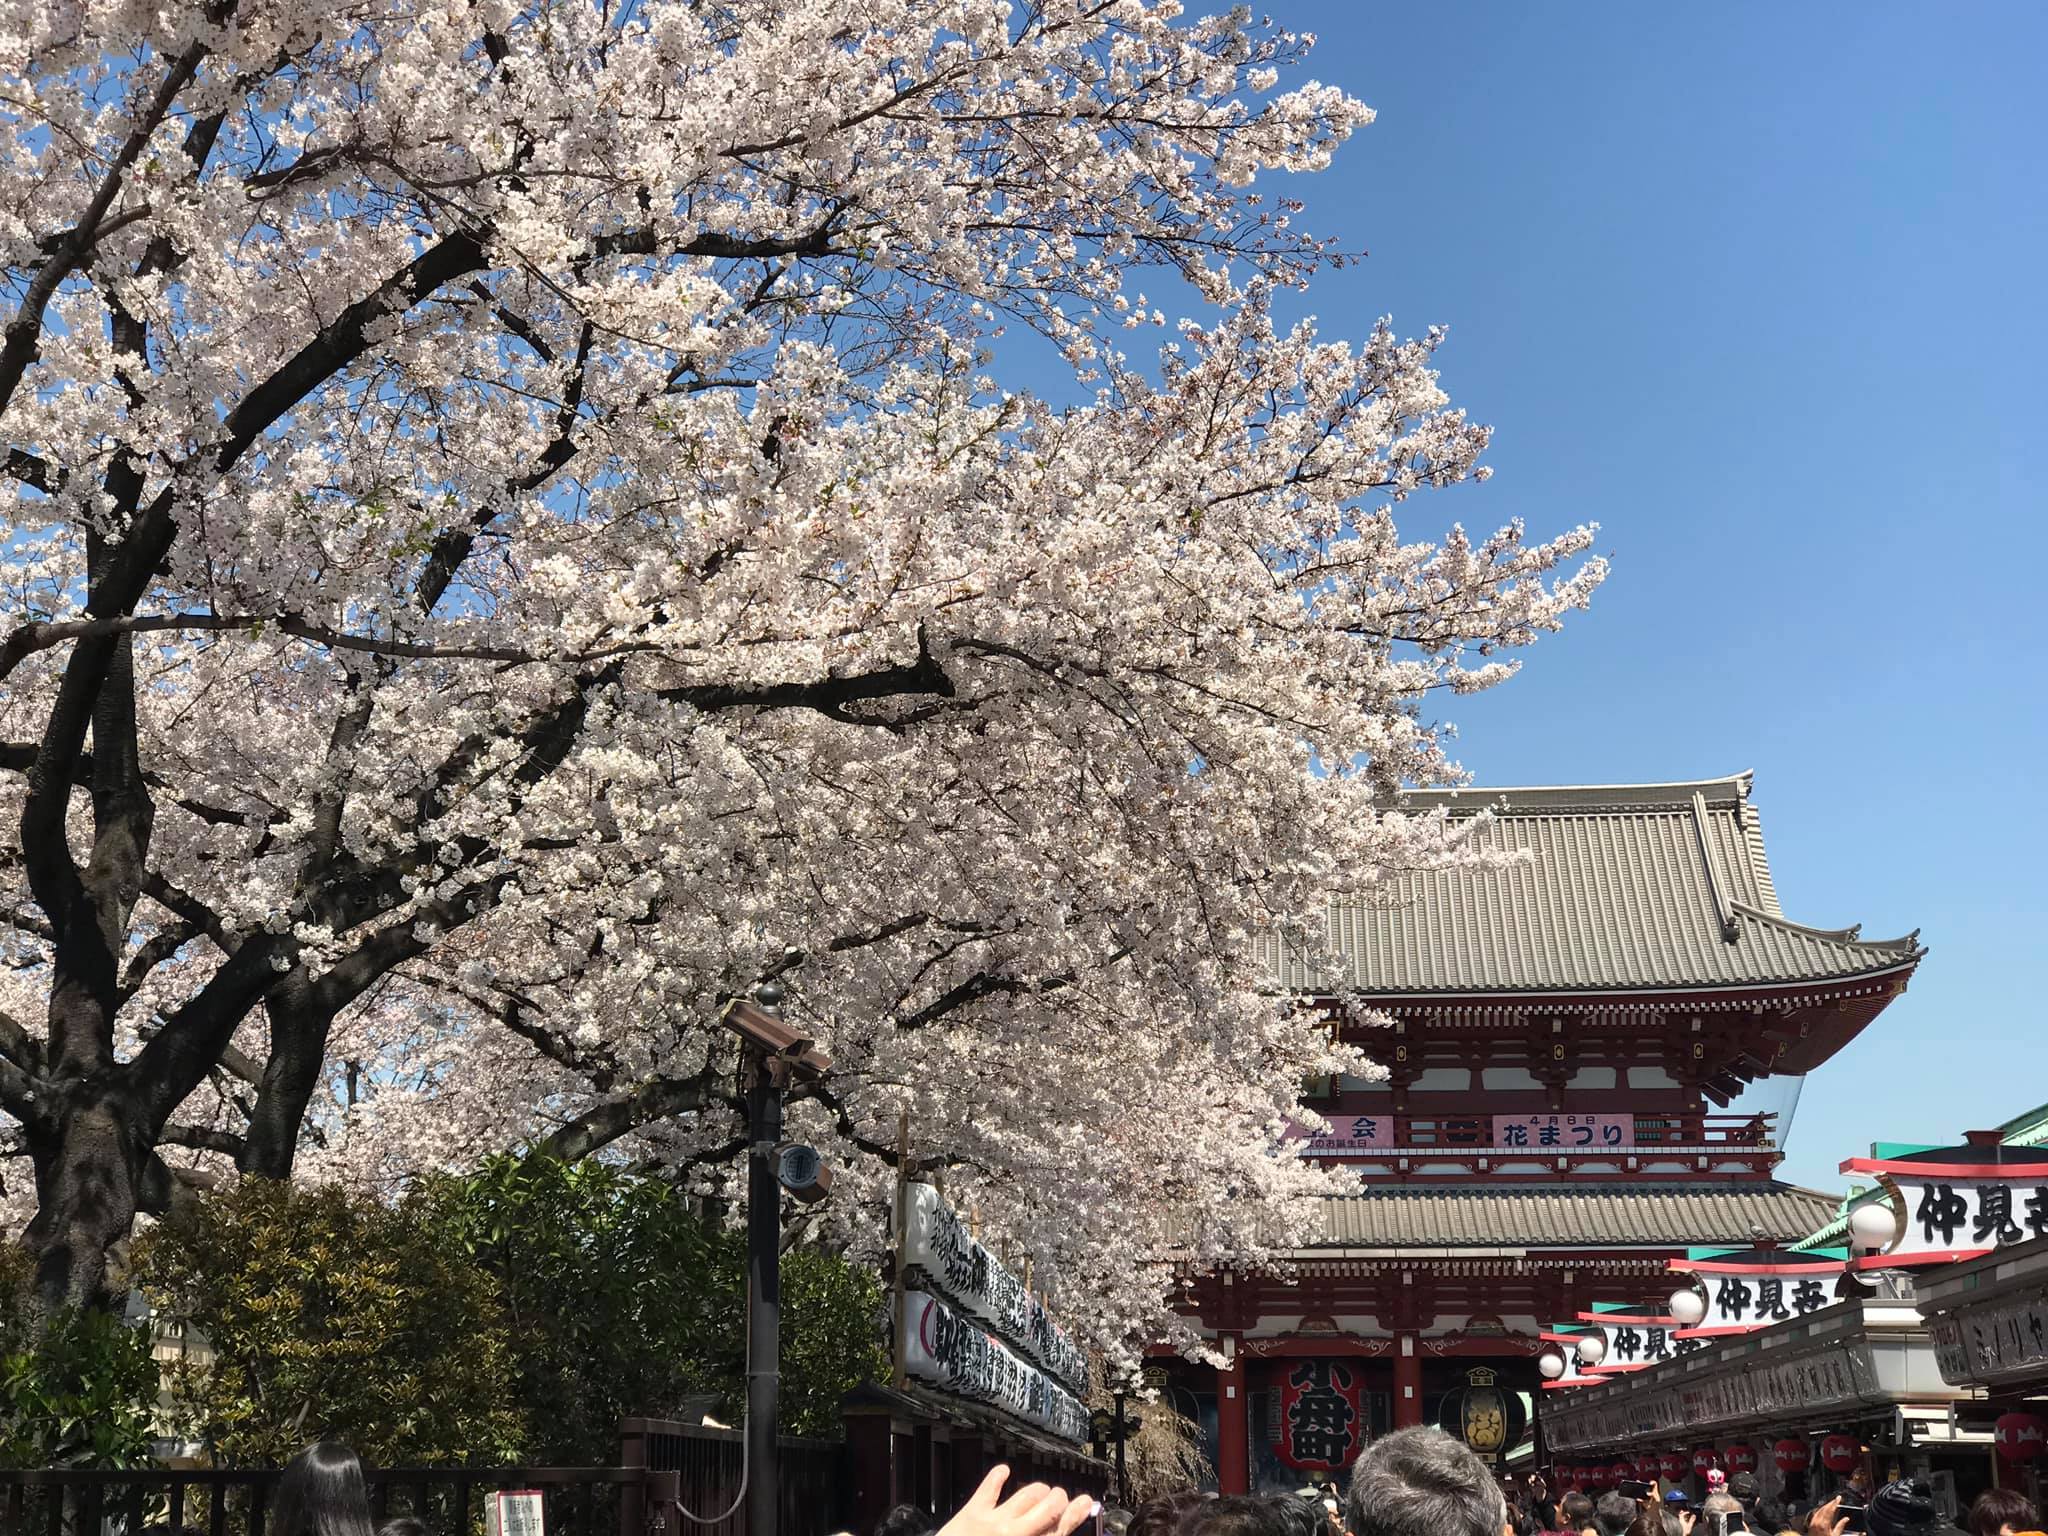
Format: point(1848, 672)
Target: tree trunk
point(90, 1164)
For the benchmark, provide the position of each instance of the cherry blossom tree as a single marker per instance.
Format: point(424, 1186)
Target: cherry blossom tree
point(515, 543)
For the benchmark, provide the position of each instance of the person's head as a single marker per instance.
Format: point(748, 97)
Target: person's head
point(1162, 1516)
point(1742, 1487)
point(404, 1525)
point(1304, 1515)
point(903, 1520)
point(1242, 1515)
point(1673, 1526)
point(1421, 1482)
point(2001, 1512)
point(322, 1493)
point(1904, 1508)
point(1576, 1511)
point(1615, 1513)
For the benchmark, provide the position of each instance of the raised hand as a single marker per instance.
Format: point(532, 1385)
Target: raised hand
point(1033, 1510)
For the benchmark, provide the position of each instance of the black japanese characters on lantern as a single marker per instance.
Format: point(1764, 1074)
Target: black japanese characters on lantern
point(1321, 1426)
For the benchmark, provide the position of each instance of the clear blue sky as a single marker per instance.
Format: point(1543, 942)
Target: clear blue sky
point(1758, 288)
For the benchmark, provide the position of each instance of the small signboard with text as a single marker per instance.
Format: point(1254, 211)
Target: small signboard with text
point(1564, 1131)
point(518, 1512)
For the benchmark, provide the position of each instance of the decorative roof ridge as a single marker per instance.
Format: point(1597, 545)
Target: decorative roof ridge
point(1601, 1191)
point(1906, 944)
point(1727, 790)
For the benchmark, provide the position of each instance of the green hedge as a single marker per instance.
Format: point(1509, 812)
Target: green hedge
point(514, 1315)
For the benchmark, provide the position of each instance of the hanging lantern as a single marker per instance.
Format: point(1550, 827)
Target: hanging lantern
point(1705, 1459)
point(1551, 1364)
point(2020, 1436)
point(1322, 1428)
point(1741, 1458)
point(1791, 1455)
point(1592, 1348)
point(1596, 1477)
point(1840, 1453)
point(1672, 1465)
point(1486, 1418)
point(1623, 1472)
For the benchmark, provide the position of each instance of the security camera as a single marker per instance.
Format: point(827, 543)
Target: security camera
point(802, 1172)
point(770, 1035)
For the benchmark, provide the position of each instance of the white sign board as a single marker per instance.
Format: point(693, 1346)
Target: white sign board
point(958, 1355)
point(939, 1251)
point(518, 1512)
point(1949, 1217)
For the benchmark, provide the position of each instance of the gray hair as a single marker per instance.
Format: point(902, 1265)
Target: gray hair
point(1421, 1482)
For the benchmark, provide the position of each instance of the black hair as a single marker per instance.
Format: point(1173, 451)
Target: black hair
point(322, 1493)
point(1162, 1515)
point(1244, 1515)
point(1577, 1510)
point(1613, 1515)
point(906, 1520)
point(403, 1525)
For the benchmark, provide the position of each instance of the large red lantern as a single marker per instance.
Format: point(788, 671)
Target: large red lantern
point(1672, 1465)
point(1596, 1477)
point(2020, 1436)
point(1791, 1455)
point(1705, 1459)
point(1622, 1472)
point(1741, 1458)
point(1321, 1428)
point(1840, 1453)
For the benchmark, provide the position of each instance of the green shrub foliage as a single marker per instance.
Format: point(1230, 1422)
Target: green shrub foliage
point(512, 1315)
point(333, 1314)
point(77, 1389)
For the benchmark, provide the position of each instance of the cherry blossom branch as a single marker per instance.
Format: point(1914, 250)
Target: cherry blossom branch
point(42, 635)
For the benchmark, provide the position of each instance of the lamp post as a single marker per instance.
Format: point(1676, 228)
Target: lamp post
point(775, 1054)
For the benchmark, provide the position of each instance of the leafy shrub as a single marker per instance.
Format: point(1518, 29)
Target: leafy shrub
point(77, 1389)
point(622, 1300)
point(331, 1314)
point(512, 1315)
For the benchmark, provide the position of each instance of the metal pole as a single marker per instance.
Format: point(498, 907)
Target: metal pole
point(1123, 1482)
point(764, 1295)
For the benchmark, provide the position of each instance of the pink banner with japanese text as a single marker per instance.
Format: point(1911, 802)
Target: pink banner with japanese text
point(1564, 1131)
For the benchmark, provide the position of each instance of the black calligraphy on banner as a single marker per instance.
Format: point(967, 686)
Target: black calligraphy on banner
point(1732, 1299)
point(946, 1257)
point(1994, 1225)
point(955, 1352)
point(1770, 1300)
point(1941, 1211)
point(1319, 1416)
point(1961, 1217)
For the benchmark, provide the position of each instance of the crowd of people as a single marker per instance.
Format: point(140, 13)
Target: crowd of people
point(1415, 1482)
point(1423, 1482)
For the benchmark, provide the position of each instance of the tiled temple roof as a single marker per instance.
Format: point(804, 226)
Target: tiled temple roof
point(1588, 1216)
point(1631, 887)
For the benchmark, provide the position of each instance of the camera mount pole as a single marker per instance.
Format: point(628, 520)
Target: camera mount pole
point(764, 1290)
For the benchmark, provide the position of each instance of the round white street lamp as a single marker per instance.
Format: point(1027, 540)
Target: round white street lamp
point(1873, 1225)
point(1592, 1348)
point(1551, 1364)
point(1688, 1307)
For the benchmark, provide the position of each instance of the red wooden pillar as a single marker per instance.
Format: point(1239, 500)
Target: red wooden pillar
point(1233, 1424)
point(1407, 1382)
